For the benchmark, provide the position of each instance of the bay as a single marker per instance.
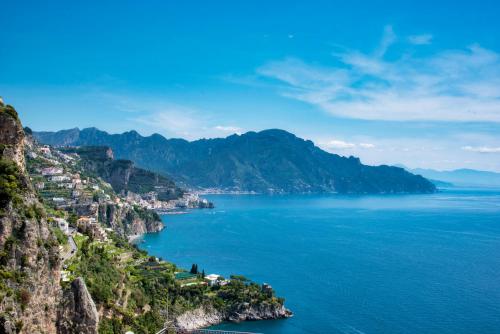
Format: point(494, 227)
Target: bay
point(353, 264)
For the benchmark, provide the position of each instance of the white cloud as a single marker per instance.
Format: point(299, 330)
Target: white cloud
point(343, 145)
point(388, 39)
point(420, 39)
point(175, 120)
point(451, 85)
point(481, 149)
point(229, 129)
point(339, 144)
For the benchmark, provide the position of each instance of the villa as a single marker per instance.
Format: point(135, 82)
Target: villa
point(212, 279)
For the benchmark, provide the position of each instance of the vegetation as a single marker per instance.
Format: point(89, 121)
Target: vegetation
point(11, 183)
point(136, 288)
point(62, 239)
point(9, 110)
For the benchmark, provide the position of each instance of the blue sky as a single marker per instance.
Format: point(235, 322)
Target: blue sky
point(415, 82)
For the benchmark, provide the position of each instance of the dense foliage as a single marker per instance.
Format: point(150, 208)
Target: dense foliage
point(137, 289)
point(11, 182)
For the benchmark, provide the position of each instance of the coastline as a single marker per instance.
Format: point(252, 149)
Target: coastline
point(134, 239)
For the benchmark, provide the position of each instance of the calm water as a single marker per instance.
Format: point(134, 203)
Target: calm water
point(354, 264)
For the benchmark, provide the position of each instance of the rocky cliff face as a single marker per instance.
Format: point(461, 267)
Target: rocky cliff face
point(11, 136)
point(199, 318)
point(207, 316)
point(129, 221)
point(29, 260)
point(30, 292)
point(123, 175)
point(78, 314)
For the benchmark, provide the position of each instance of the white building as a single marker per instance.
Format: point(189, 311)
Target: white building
point(51, 171)
point(59, 178)
point(45, 150)
point(212, 279)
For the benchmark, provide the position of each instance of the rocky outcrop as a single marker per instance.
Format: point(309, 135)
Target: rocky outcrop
point(78, 313)
point(207, 315)
point(127, 220)
point(263, 311)
point(199, 318)
point(29, 256)
point(11, 136)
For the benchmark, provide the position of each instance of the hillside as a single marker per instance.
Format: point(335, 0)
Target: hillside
point(66, 266)
point(123, 175)
point(270, 161)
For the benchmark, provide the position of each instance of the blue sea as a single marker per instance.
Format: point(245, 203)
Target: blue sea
point(353, 264)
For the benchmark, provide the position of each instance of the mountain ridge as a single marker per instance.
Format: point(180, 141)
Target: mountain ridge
point(460, 176)
point(269, 161)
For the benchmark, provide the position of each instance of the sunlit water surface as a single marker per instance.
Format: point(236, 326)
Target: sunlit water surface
point(353, 264)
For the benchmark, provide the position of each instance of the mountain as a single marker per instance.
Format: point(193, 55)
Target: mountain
point(270, 161)
point(123, 175)
point(461, 177)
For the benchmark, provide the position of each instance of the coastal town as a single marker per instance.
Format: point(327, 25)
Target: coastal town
point(73, 198)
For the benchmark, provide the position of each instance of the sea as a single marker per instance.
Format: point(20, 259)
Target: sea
point(353, 264)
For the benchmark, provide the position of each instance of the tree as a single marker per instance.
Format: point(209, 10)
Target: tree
point(194, 269)
point(73, 217)
point(203, 273)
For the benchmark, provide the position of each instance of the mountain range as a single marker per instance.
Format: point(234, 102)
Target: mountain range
point(461, 177)
point(269, 161)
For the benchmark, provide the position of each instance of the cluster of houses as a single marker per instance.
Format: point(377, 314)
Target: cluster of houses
point(150, 201)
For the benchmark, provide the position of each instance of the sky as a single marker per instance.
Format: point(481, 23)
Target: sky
point(393, 82)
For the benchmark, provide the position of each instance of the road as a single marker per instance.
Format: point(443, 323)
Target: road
point(72, 248)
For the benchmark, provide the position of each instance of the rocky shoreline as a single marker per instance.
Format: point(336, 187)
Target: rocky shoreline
point(206, 316)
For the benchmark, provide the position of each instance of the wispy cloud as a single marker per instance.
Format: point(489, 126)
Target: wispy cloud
point(339, 144)
point(336, 144)
point(481, 149)
point(450, 85)
point(423, 39)
point(172, 120)
point(388, 38)
point(228, 129)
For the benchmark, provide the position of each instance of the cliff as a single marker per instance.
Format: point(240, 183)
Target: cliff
point(29, 286)
point(30, 292)
point(206, 316)
point(78, 314)
point(123, 175)
point(128, 220)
